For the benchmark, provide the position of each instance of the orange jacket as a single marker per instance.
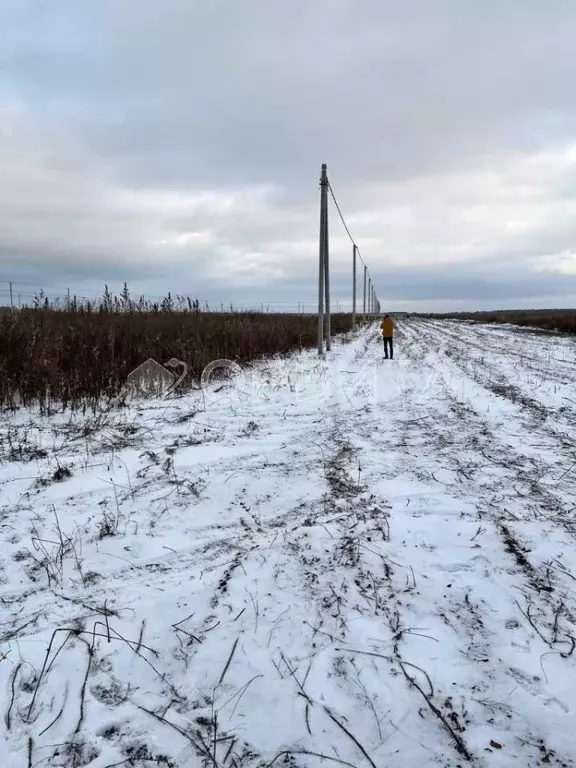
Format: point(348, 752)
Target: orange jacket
point(387, 327)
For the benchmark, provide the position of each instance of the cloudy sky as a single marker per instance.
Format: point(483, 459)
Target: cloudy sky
point(177, 144)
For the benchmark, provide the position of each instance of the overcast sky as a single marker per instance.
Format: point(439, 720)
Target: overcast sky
point(176, 145)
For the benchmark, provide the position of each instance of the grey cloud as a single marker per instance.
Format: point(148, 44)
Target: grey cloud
point(181, 96)
point(474, 286)
point(204, 93)
point(477, 286)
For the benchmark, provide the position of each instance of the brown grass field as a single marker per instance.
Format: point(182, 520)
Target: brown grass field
point(56, 358)
point(78, 357)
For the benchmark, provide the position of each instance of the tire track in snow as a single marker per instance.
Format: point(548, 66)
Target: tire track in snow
point(482, 632)
point(313, 617)
point(538, 388)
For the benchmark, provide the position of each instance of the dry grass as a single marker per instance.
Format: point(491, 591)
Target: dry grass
point(57, 358)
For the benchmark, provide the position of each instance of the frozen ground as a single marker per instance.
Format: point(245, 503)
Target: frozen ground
point(349, 563)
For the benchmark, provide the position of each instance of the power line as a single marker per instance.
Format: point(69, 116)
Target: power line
point(344, 223)
point(370, 299)
point(340, 214)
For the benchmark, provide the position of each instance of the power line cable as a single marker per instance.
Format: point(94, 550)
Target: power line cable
point(357, 250)
point(344, 223)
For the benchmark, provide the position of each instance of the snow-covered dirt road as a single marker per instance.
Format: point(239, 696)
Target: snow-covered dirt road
point(349, 562)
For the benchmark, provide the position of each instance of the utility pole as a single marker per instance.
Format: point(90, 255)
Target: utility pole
point(327, 319)
point(365, 278)
point(11, 298)
point(354, 286)
point(68, 299)
point(321, 254)
point(370, 296)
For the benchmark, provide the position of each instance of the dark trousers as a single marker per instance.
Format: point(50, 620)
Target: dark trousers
point(388, 346)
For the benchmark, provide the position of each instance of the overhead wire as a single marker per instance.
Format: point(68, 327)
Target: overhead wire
point(345, 225)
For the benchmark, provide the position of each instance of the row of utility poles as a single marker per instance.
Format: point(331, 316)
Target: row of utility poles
point(371, 304)
point(11, 284)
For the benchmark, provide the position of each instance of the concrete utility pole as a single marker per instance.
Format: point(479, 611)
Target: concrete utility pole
point(365, 279)
point(321, 256)
point(327, 319)
point(11, 298)
point(354, 286)
point(370, 296)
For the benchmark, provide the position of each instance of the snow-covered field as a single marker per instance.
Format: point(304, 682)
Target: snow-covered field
point(349, 562)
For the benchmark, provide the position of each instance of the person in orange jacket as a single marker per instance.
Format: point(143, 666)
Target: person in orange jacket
point(388, 336)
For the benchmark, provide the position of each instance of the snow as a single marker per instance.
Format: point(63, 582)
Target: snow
point(346, 561)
